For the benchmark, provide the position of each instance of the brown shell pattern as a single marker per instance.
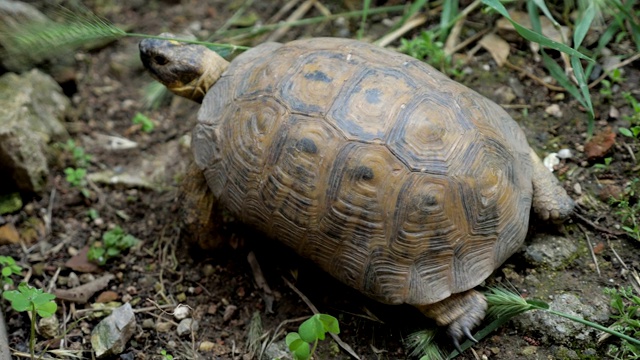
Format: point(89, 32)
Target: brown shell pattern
point(393, 178)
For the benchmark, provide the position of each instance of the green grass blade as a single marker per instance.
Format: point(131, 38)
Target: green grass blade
point(365, 11)
point(582, 83)
point(532, 10)
point(557, 73)
point(532, 35)
point(413, 9)
point(449, 12)
point(545, 10)
point(583, 25)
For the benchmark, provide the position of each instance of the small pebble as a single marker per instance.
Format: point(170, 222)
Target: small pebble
point(565, 154)
point(181, 312)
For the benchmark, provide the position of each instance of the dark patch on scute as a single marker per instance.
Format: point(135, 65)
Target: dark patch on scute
point(373, 96)
point(363, 173)
point(318, 76)
point(307, 145)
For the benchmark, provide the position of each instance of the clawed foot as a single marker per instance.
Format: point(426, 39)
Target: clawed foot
point(460, 313)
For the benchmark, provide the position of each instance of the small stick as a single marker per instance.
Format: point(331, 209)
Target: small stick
point(408, 26)
point(335, 337)
point(615, 253)
point(49, 216)
point(296, 15)
point(598, 227)
point(593, 255)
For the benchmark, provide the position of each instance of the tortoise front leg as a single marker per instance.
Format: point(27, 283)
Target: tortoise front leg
point(459, 313)
point(199, 213)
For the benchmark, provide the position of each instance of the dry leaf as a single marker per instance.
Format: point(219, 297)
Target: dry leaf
point(600, 144)
point(497, 47)
point(9, 234)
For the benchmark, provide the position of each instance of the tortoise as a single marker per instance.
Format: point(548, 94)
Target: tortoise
point(388, 175)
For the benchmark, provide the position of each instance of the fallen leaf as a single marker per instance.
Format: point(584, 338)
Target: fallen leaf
point(107, 296)
point(600, 144)
point(80, 262)
point(497, 47)
point(9, 234)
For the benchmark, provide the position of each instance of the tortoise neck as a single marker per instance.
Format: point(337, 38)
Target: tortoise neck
point(214, 65)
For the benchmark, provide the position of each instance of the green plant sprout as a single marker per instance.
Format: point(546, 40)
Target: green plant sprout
point(36, 302)
point(427, 47)
point(628, 208)
point(165, 355)
point(146, 124)
point(113, 243)
point(80, 157)
point(604, 166)
point(627, 307)
point(9, 268)
point(77, 178)
point(615, 76)
point(634, 130)
point(304, 342)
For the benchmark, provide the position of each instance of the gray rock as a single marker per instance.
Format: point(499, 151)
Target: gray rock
point(187, 326)
point(558, 330)
point(32, 108)
point(111, 335)
point(551, 251)
point(13, 13)
point(277, 350)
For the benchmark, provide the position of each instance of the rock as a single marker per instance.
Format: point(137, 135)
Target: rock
point(32, 108)
point(551, 251)
point(558, 330)
point(111, 335)
point(181, 312)
point(48, 327)
point(554, 110)
point(187, 326)
point(12, 14)
point(277, 350)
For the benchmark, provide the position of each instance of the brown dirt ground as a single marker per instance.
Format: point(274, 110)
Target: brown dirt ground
point(107, 87)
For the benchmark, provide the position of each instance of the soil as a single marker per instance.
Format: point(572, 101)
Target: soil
point(107, 84)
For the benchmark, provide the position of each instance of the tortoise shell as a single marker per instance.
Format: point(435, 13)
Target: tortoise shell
point(391, 177)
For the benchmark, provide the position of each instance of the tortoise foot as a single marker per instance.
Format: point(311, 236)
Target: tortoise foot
point(460, 313)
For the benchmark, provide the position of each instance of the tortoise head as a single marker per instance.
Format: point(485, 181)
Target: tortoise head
point(187, 70)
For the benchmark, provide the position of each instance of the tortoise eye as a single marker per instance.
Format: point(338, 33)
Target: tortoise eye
point(160, 60)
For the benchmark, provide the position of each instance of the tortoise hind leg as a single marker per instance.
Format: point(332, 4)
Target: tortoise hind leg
point(459, 313)
point(201, 220)
point(550, 200)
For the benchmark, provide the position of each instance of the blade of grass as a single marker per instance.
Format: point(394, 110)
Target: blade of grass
point(413, 9)
point(583, 25)
point(545, 10)
point(532, 35)
point(449, 12)
point(365, 11)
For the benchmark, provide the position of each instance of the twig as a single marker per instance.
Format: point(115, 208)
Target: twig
point(283, 10)
point(48, 218)
point(261, 282)
point(615, 253)
point(593, 255)
point(296, 15)
point(335, 337)
point(53, 280)
point(534, 78)
point(469, 40)
point(617, 66)
point(598, 227)
point(408, 26)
